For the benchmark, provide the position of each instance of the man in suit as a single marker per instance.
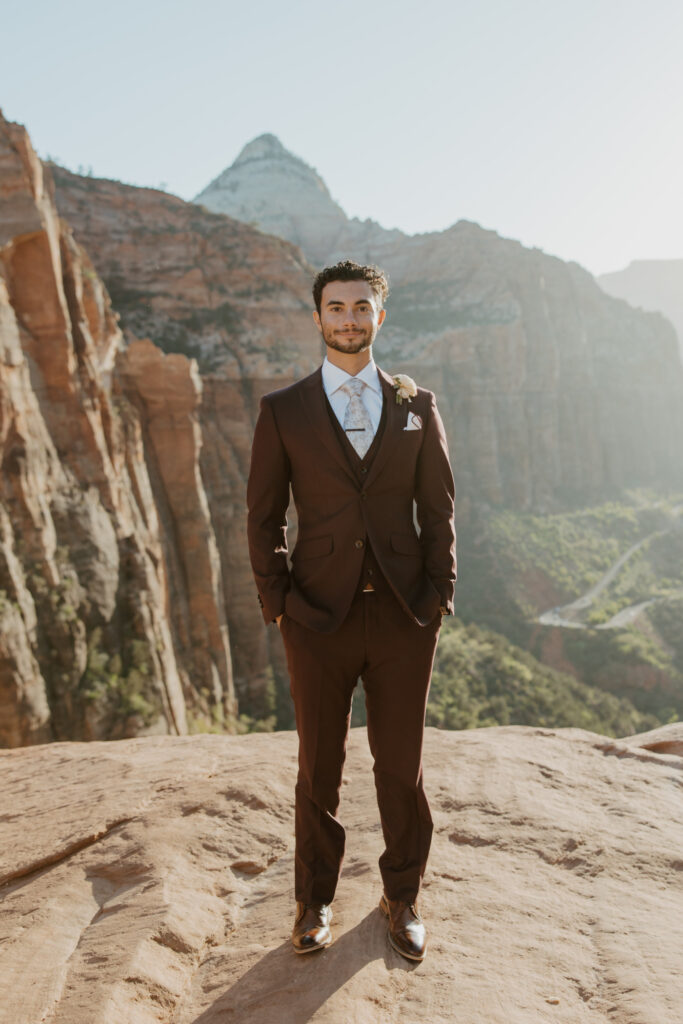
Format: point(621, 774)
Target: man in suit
point(365, 593)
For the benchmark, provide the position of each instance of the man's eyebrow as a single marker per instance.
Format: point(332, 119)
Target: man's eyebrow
point(340, 302)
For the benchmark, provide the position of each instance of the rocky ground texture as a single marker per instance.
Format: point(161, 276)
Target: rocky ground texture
point(150, 880)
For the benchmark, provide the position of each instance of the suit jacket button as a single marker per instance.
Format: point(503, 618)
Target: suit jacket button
point(358, 543)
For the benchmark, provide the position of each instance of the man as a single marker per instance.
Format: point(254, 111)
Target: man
point(364, 596)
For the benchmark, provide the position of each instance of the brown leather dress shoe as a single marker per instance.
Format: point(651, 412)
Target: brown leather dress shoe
point(312, 927)
point(406, 929)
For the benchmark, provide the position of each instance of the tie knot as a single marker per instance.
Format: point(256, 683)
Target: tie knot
point(353, 387)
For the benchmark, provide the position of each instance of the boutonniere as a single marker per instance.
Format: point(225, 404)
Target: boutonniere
point(405, 387)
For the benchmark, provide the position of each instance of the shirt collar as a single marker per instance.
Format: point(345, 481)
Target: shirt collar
point(334, 376)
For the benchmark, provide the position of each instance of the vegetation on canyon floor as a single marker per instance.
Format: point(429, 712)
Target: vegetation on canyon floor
point(480, 679)
point(515, 565)
point(574, 549)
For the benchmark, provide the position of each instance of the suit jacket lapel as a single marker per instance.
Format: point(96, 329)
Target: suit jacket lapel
point(313, 400)
point(394, 423)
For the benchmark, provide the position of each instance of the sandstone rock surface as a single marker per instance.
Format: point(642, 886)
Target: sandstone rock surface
point(150, 880)
point(238, 301)
point(94, 525)
point(194, 281)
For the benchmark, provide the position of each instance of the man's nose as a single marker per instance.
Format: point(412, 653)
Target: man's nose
point(350, 317)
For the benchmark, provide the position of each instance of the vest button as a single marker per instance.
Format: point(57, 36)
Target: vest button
point(363, 495)
point(363, 469)
point(358, 543)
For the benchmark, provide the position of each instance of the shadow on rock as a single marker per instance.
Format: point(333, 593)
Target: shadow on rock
point(286, 988)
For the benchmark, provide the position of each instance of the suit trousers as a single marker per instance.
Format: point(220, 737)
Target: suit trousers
point(393, 656)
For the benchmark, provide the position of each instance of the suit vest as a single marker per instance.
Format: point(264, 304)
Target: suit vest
point(370, 571)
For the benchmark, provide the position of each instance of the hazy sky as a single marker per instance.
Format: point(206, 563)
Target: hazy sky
point(556, 123)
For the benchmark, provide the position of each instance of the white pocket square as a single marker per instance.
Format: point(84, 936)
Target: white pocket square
point(414, 422)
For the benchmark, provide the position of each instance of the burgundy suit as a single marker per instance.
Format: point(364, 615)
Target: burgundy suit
point(355, 524)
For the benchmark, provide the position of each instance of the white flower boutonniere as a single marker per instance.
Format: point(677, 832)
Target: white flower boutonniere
point(405, 387)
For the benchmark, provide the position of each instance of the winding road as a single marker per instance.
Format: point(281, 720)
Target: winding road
point(566, 615)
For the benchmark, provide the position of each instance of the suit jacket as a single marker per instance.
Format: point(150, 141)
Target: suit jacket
point(295, 445)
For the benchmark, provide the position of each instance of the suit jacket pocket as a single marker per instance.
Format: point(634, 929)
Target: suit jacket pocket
point(312, 547)
point(406, 544)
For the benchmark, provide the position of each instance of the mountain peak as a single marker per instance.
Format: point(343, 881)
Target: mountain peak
point(269, 186)
point(266, 145)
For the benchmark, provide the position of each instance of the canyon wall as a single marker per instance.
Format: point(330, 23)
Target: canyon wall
point(651, 284)
point(125, 585)
point(111, 608)
point(239, 302)
point(553, 394)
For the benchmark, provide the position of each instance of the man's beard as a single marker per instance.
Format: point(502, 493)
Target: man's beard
point(348, 344)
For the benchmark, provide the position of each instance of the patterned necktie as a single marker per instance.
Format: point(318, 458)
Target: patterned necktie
point(357, 420)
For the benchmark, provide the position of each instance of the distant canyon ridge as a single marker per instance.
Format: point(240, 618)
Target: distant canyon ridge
point(270, 187)
point(138, 333)
point(653, 285)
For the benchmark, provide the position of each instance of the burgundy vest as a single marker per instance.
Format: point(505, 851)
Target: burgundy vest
point(370, 571)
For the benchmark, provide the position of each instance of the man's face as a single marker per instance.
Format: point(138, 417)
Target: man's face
point(349, 316)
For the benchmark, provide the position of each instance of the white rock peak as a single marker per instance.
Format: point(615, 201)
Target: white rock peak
point(266, 147)
point(278, 192)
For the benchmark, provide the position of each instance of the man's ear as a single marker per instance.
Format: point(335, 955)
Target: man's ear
point(316, 317)
point(380, 317)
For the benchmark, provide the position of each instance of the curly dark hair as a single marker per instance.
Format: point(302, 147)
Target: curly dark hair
point(347, 270)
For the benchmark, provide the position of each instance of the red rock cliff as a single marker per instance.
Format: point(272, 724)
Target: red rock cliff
point(239, 301)
point(111, 617)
